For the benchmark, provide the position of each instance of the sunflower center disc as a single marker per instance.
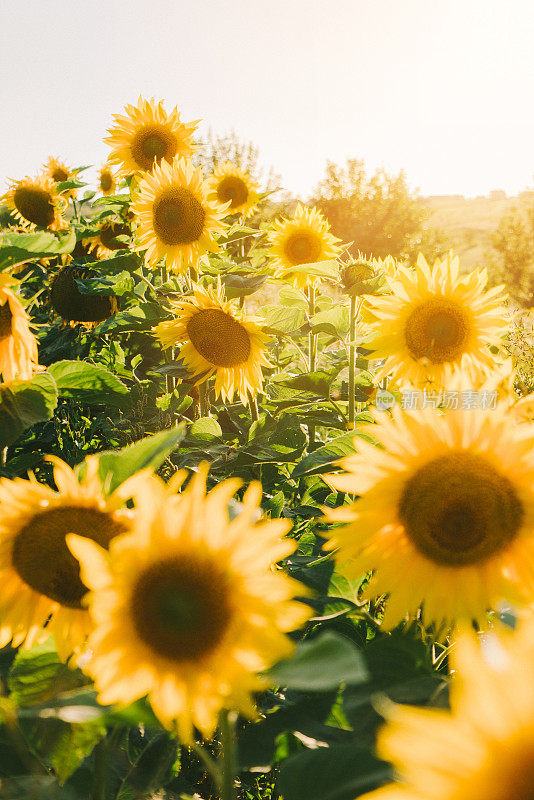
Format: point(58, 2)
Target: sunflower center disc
point(181, 609)
point(153, 142)
point(459, 510)
point(438, 330)
point(42, 558)
point(34, 205)
point(60, 174)
point(105, 181)
point(108, 233)
point(303, 248)
point(71, 304)
point(233, 189)
point(217, 336)
point(178, 217)
point(6, 317)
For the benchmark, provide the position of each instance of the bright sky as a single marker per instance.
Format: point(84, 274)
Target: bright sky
point(439, 88)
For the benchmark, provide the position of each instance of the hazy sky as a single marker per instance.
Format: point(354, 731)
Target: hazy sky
point(440, 88)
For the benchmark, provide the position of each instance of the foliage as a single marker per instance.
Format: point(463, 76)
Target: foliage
point(513, 253)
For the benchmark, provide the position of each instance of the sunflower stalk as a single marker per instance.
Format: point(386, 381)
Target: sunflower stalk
point(352, 362)
point(204, 399)
point(312, 349)
point(253, 406)
point(228, 756)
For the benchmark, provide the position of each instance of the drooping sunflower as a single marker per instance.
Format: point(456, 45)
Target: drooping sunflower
point(39, 577)
point(436, 323)
point(105, 241)
point(217, 338)
point(75, 307)
point(58, 171)
point(483, 749)
point(176, 219)
point(18, 345)
point(148, 135)
point(445, 516)
point(107, 182)
point(305, 239)
point(232, 185)
point(189, 608)
point(36, 203)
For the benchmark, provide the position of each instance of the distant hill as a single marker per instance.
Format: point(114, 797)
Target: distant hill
point(469, 222)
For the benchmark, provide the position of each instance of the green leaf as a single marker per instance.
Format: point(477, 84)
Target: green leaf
point(338, 772)
point(242, 285)
point(117, 285)
point(321, 460)
point(335, 322)
point(71, 183)
point(156, 766)
point(16, 248)
point(280, 320)
point(149, 453)
point(89, 383)
point(205, 429)
point(322, 269)
point(288, 296)
point(321, 665)
point(38, 675)
point(138, 318)
point(317, 383)
point(24, 403)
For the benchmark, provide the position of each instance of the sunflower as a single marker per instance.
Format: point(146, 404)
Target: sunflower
point(36, 203)
point(215, 337)
point(58, 171)
point(176, 219)
point(148, 135)
point(232, 185)
point(18, 345)
point(107, 183)
point(190, 607)
point(73, 306)
point(38, 574)
point(105, 242)
point(447, 514)
point(484, 748)
point(436, 323)
point(305, 239)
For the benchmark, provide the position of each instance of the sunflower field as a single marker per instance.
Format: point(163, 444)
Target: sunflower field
point(267, 510)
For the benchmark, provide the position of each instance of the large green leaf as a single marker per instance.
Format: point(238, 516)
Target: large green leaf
point(335, 322)
point(24, 403)
point(322, 269)
point(281, 320)
point(16, 248)
point(119, 284)
point(317, 383)
point(138, 318)
point(89, 384)
point(321, 665)
point(157, 764)
point(150, 452)
point(37, 675)
point(321, 460)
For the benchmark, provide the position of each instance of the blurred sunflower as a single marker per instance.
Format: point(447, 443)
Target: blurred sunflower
point(190, 607)
point(107, 183)
point(483, 749)
point(446, 514)
point(58, 171)
point(104, 242)
point(176, 219)
point(215, 337)
point(75, 307)
point(39, 576)
point(305, 239)
point(36, 203)
point(436, 323)
point(232, 185)
point(148, 135)
point(18, 345)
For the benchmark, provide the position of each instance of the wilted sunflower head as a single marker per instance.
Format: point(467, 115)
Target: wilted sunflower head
point(107, 183)
point(72, 305)
point(147, 135)
point(36, 203)
point(183, 613)
point(448, 504)
point(216, 338)
point(235, 189)
point(176, 219)
point(18, 345)
point(436, 323)
point(304, 239)
point(41, 582)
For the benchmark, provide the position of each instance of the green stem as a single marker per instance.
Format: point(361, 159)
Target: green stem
point(312, 349)
point(228, 719)
point(253, 406)
point(204, 401)
point(352, 361)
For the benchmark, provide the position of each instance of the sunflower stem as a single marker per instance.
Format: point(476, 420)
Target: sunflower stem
point(228, 720)
point(352, 362)
point(253, 406)
point(203, 398)
point(312, 349)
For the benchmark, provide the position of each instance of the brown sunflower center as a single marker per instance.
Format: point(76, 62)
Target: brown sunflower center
point(437, 329)
point(106, 181)
point(42, 559)
point(35, 205)
point(108, 234)
point(220, 338)
point(6, 318)
point(181, 607)
point(60, 174)
point(72, 305)
point(303, 247)
point(459, 510)
point(178, 217)
point(153, 142)
point(232, 189)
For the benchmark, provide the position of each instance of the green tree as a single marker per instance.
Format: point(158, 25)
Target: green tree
point(377, 213)
point(218, 148)
point(513, 253)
